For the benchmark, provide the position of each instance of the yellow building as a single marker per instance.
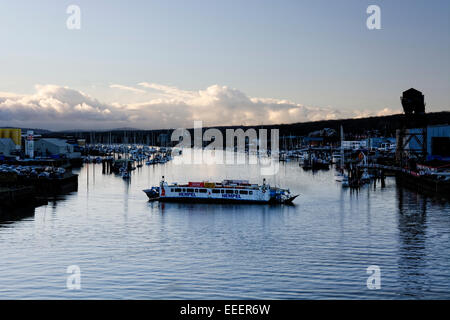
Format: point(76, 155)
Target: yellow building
point(13, 134)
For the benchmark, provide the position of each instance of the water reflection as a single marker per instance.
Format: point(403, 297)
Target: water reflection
point(11, 215)
point(8, 214)
point(412, 226)
point(217, 209)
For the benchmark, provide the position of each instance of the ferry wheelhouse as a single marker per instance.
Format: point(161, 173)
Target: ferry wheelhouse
point(227, 191)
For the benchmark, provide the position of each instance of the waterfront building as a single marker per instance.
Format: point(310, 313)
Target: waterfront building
point(13, 133)
point(437, 141)
point(51, 147)
point(7, 146)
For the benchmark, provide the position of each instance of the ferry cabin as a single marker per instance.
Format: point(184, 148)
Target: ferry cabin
point(215, 194)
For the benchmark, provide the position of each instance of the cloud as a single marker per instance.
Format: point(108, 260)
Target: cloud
point(387, 111)
point(58, 108)
point(168, 91)
point(131, 89)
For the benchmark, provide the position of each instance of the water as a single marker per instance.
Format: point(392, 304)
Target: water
point(128, 248)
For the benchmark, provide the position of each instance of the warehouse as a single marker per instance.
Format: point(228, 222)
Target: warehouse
point(52, 147)
point(7, 146)
point(437, 142)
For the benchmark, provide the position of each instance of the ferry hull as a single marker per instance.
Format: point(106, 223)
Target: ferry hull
point(209, 200)
point(153, 196)
point(217, 200)
point(290, 200)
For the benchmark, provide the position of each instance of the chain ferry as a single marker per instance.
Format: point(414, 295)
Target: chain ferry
point(227, 191)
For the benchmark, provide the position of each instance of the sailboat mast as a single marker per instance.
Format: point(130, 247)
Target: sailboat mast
point(342, 147)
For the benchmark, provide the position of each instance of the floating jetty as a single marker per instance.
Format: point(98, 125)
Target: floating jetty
point(432, 183)
point(424, 183)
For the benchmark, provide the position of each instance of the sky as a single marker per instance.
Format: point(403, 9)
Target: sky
point(163, 64)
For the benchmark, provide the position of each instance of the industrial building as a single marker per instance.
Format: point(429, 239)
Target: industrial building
point(12, 133)
point(51, 147)
point(437, 141)
point(7, 146)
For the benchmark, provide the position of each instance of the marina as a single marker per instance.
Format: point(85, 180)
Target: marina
point(128, 247)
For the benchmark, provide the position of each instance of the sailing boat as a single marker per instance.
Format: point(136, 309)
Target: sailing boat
point(340, 176)
point(125, 174)
point(365, 177)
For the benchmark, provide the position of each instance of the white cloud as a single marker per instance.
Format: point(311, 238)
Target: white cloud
point(387, 111)
point(168, 91)
point(56, 107)
point(131, 89)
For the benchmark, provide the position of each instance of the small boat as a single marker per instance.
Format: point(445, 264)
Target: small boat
point(365, 177)
point(339, 176)
point(318, 164)
point(87, 159)
point(345, 182)
point(227, 191)
point(336, 158)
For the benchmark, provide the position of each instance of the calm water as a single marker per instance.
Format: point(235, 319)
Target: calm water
point(128, 248)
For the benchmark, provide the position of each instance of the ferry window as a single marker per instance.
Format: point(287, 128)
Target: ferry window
point(222, 191)
point(237, 191)
point(196, 190)
point(184, 190)
point(229, 191)
point(215, 191)
point(243, 192)
point(202, 190)
point(189, 190)
point(250, 192)
point(171, 190)
point(177, 190)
